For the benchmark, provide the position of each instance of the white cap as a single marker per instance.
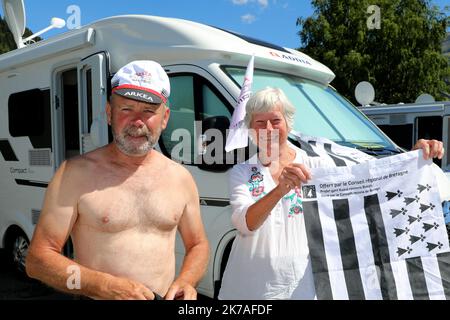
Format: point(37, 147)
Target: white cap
point(142, 80)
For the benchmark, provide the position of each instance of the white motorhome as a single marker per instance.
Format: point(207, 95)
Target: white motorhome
point(53, 95)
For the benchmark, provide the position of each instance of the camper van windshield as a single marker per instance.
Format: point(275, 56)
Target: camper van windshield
point(321, 111)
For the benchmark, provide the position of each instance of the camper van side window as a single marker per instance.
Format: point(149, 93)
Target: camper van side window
point(89, 98)
point(401, 134)
point(29, 115)
point(430, 128)
point(180, 128)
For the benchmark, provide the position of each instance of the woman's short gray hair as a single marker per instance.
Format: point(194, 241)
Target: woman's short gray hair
point(267, 100)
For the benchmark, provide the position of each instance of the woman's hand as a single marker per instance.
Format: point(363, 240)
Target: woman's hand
point(431, 148)
point(292, 176)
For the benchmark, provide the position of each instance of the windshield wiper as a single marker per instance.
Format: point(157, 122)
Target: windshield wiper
point(379, 150)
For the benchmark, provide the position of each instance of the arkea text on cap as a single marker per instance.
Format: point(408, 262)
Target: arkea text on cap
point(142, 80)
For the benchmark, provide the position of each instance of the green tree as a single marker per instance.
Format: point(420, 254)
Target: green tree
point(6, 38)
point(402, 58)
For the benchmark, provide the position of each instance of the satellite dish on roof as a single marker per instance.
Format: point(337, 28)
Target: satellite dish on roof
point(14, 11)
point(364, 93)
point(425, 98)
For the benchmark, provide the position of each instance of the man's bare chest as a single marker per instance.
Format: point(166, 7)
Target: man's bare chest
point(132, 205)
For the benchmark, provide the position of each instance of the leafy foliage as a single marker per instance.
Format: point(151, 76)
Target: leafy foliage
point(6, 38)
point(402, 59)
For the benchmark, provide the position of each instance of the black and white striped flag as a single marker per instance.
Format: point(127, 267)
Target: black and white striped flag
point(376, 230)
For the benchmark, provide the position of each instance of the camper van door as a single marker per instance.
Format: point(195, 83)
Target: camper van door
point(92, 94)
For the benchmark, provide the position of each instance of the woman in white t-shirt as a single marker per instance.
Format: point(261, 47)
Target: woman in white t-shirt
point(269, 258)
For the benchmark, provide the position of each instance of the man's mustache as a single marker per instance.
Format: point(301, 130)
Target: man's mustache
point(136, 132)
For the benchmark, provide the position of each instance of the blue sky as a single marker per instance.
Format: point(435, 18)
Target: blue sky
point(269, 20)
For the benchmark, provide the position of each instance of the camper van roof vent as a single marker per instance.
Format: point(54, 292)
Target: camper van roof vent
point(255, 41)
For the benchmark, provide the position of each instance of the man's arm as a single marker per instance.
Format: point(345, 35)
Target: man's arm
point(196, 244)
point(44, 259)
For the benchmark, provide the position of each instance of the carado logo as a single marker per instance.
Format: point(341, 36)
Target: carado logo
point(290, 57)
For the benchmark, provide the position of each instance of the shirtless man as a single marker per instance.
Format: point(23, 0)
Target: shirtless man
point(122, 204)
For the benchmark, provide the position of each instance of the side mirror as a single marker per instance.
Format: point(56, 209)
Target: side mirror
point(212, 146)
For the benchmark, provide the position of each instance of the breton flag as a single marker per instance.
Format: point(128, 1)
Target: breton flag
point(376, 230)
point(238, 133)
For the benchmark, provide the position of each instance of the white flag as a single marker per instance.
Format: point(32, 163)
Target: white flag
point(238, 135)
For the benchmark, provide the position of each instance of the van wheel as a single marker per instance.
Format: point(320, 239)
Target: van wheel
point(18, 249)
point(223, 264)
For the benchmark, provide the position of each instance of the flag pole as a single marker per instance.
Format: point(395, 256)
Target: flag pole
point(238, 133)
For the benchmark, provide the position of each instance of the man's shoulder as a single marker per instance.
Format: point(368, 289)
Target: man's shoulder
point(180, 176)
point(174, 168)
point(85, 164)
point(87, 159)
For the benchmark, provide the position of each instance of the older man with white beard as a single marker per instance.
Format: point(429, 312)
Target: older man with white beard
point(122, 205)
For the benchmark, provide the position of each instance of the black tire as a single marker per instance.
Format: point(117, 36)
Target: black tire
point(226, 254)
point(67, 250)
point(17, 250)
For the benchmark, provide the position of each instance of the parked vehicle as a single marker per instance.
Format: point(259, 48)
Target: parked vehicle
point(406, 123)
point(53, 95)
